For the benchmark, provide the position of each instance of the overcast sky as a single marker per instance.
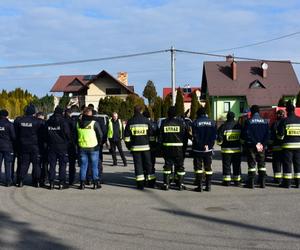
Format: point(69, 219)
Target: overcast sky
point(51, 31)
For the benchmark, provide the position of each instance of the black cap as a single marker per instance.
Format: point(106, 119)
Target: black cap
point(201, 111)
point(30, 110)
point(172, 112)
point(290, 108)
point(146, 114)
point(254, 109)
point(58, 110)
point(230, 115)
point(3, 113)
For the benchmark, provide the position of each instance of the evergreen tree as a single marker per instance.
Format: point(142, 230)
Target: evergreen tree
point(194, 106)
point(157, 108)
point(150, 92)
point(298, 100)
point(167, 102)
point(179, 103)
point(281, 102)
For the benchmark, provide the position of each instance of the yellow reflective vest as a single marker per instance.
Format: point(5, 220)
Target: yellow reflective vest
point(87, 137)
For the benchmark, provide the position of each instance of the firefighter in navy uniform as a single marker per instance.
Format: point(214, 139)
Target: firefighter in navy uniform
point(255, 134)
point(153, 139)
point(58, 138)
point(7, 140)
point(289, 133)
point(275, 144)
point(204, 135)
point(229, 139)
point(173, 133)
point(137, 133)
point(30, 132)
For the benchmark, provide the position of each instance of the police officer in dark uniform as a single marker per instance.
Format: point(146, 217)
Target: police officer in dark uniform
point(137, 133)
point(30, 132)
point(59, 135)
point(289, 133)
point(173, 133)
point(72, 145)
point(275, 145)
point(204, 135)
point(43, 154)
point(7, 140)
point(255, 134)
point(229, 138)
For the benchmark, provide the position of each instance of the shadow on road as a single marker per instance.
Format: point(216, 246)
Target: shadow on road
point(26, 237)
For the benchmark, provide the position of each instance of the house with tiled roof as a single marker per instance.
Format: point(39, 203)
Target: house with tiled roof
point(89, 89)
point(187, 92)
point(236, 85)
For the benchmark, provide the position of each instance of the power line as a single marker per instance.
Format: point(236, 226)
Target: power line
point(257, 43)
point(82, 61)
point(236, 57)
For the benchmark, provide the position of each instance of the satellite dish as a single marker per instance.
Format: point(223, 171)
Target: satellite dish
point(264, 66)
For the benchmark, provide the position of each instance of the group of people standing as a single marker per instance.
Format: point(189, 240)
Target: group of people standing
point(63, 139)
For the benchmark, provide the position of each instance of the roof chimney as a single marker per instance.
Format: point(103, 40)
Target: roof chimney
point(264, 67)
point(123, 78)
point(234, 70)
point(229, 58)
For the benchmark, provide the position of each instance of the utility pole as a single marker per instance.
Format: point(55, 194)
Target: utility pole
point(173, 80)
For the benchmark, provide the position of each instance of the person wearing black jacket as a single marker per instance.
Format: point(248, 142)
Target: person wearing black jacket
point(255, 135)
point(173, 133)
point(289, 133)
point(229, 139)
point(72, 146)
point(58, 138)
point(7, 140)
point(137, 133)
point(30, 133)
point(275, 144)
point(204, 135)
point(89, 136)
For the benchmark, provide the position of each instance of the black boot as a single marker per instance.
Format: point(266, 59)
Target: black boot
point(250, 182)
point(82, 185)
point(208, 183)
point(97, 185)
point(297, 183)
point(20, 183)
point(151, 183)
point(166, 182)
point(237, 183)
point(226, 183)
point(180, 184)
point(140, 185)
point(51, 185)
point(262, 180)
point(199, 182)
point(286, 183)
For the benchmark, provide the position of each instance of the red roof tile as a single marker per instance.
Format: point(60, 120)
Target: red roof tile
point(63, 83)
point(187, 97)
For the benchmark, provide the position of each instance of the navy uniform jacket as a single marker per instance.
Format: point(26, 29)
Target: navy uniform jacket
point(58, 133)
point(7, 135)
point(256, 130)
point(204, 133)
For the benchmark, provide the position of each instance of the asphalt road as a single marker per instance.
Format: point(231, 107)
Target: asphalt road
point(120, 217)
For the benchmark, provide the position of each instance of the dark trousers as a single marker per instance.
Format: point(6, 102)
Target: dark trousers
point(72, 163)
point(44, 166)
point(62, 159)
point(25, 159)
point(291, 157)
point(173, 156)
point(142, 164)
point(253, 158)
point(8, 160)
point(113, 146)
point(153, 159)
point(203, 160)
point(277, 161)
point(233, 159)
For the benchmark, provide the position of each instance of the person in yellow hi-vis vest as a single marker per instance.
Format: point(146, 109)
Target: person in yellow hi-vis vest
point(89, 138)
point(115, 136)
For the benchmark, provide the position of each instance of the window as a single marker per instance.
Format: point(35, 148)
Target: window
point(242, 107)
point(113, 91)
point(187, 90)
point(256, 85)
point(226, 107)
